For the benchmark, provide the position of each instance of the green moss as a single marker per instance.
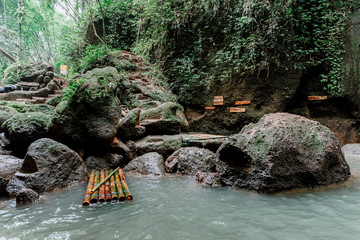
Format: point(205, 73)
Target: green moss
point(22, 122)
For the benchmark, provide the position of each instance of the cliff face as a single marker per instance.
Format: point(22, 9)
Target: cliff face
point(287, 91)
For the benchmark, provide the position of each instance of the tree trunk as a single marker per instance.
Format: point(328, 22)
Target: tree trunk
point(7, 55)
point(21, 15)
point(4, 13)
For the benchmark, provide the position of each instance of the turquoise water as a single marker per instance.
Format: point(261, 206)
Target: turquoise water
point(179, 208)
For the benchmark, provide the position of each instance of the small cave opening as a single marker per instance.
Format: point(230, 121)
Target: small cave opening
point(29, 165)
point(235, 157)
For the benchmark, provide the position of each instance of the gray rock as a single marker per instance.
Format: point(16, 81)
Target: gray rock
point(48, 165)
point(205, 178)
point(150, 163)
point(167, 118)
point(165, 145)
point(8, 166)
point(27, 196)
point(281, 152)
point(96, 163)
point(127, 128)
point(4, 145)
point(47, 79)
point(190, 160)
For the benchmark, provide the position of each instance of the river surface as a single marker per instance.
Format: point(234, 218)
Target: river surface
point(176, 207)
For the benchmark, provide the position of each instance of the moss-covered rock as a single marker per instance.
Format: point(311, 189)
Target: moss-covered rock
point(90, 116)
point(20, 71)
point(24, 128)
point(281, 152)
point(6, 113)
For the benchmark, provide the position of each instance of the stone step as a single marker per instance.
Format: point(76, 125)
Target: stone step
point(60, 92)
point(39, 100)
point(25, 100)
point(54, 95)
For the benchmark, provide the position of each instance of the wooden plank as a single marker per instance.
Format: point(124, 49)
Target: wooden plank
point(219, 97)
point(242, 102)
point(317, 98)
point(236, 109)
point(218, 103)
point(209, 108)
point(218, 100)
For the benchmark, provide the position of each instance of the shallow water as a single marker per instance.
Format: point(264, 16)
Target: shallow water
point(179, 208)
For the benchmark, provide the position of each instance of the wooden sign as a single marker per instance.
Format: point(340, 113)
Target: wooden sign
point(235, 109)
point(218, 103)
point(242, 102)
point(219, 97)
point(317, 98)
point(209, 108)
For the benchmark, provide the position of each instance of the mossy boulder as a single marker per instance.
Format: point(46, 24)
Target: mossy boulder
point(6, 113)
point(24, 128)
point(20, 71)
point(281, 152)
point(167, 118)
point(89, 117)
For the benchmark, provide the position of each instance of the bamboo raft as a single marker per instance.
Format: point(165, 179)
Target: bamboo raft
point(106, 185)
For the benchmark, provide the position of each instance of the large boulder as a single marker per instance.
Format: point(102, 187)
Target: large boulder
point(90, 117)
point(107, 161)
point(281, 152)
point(164, 145)
point(128, 129)
point(24, 128)
point(8, 166)
point(150, 164)
point(167, 118)
point(190, 160)
point(48, 165)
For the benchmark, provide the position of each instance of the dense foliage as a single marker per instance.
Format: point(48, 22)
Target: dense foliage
point(193, 41)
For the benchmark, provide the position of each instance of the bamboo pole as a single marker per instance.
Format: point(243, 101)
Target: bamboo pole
point(119, 188)
point(99, 184)
point(107, 188)
point(95, 195)
point(86, 201)
point(102, 188)
point(114, 196)
point(125, 186)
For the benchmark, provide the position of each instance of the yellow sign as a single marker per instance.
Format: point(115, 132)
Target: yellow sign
point(64, 69)
point(242, 102)
point(314, 98)
point(235, 109)
point(219, 97)
point(209, 108)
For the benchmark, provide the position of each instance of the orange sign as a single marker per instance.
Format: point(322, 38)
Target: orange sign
point(218, 100)
point(242, 102)
point(209, 108)
point(235, 109)
point(313, 98)
point(219, 97)
point(218, 103)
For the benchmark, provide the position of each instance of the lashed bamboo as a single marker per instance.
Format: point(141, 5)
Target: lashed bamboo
point(114, 196)
point(107, 188)
point(125, 186)
point(95, 195)
point(90, 185)
point(119, 188)
point(102, 188)
point(98, 185)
